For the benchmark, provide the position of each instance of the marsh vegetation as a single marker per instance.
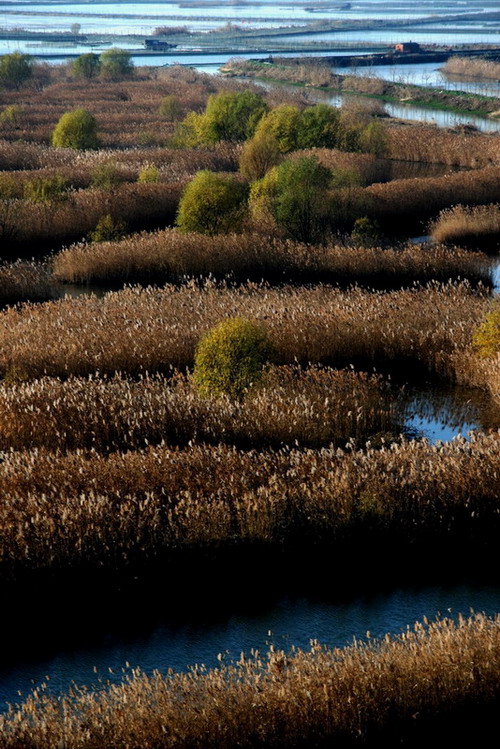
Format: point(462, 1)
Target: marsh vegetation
point(236, 397)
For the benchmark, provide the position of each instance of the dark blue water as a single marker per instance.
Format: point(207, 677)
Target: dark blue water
point(286, 623)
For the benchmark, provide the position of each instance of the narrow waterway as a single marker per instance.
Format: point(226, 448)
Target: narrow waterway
point(290, 621)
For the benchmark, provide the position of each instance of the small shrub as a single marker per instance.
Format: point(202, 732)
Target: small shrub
point(231, 357)
point(107, 177)
point(108, 229)
point(11, 115)
point(116, 63)
point(76, 129)
point(212, 204)
point(148, 174)
point(45, 189)
point(170, 108)
point(486, 339)
point(365, 232)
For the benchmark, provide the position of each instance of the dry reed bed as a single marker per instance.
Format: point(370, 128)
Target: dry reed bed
point(39, 226)
point(170, 255)
point(401, 201)
point(311, 408)
point(468, 225)
point(429, 677)
point(364, 168)
point(127, 111)
point(435, 144)
point(28, 157)
point(130, 510)
point(475, 66)
point(22, 281)
point(145, 330)
point(483, 372)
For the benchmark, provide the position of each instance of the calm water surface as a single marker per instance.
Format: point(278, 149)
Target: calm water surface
point(290, 621)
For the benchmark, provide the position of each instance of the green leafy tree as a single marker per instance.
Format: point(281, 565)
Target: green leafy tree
point(486, 339)
point(259, 154)
point(15, 69)
point(231, 358)
point(232, 116)
point(295, 193)
point(228, 116)
point(76, 129)
point(282, 125)
point(116, 63)
point(86, 66)
point(212, 204)
point(319, 127)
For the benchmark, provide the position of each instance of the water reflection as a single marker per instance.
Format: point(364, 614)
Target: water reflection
point(442, 414)
point(290, 620)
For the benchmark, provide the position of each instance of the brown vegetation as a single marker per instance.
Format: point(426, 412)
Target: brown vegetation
point(170, 256)
point(26, 281)
point(434, 144)
point(401, 203)
point(145, 330)
point(23, 160)
point(433, 677)
point(49, 224)
point(312, 408)
point(62, 511)
point(477, 67)
point(465, 225)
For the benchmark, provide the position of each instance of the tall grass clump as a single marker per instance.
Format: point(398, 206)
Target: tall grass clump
point(469, 225)
point(127, 510)
point(403, 203)
point(437, 145)
point(435, 680)
point(314, 407)
point(47, 225)
point(169, 255)
point(26, 281)
point(478, 67)
point(231, 357)
point(146, 330)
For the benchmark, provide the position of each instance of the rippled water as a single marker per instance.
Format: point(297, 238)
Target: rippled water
point(290, 621)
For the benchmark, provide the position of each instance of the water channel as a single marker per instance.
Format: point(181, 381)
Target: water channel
point(198, 639)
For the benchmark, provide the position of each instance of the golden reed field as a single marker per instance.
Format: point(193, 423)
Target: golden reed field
point(118, 472)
